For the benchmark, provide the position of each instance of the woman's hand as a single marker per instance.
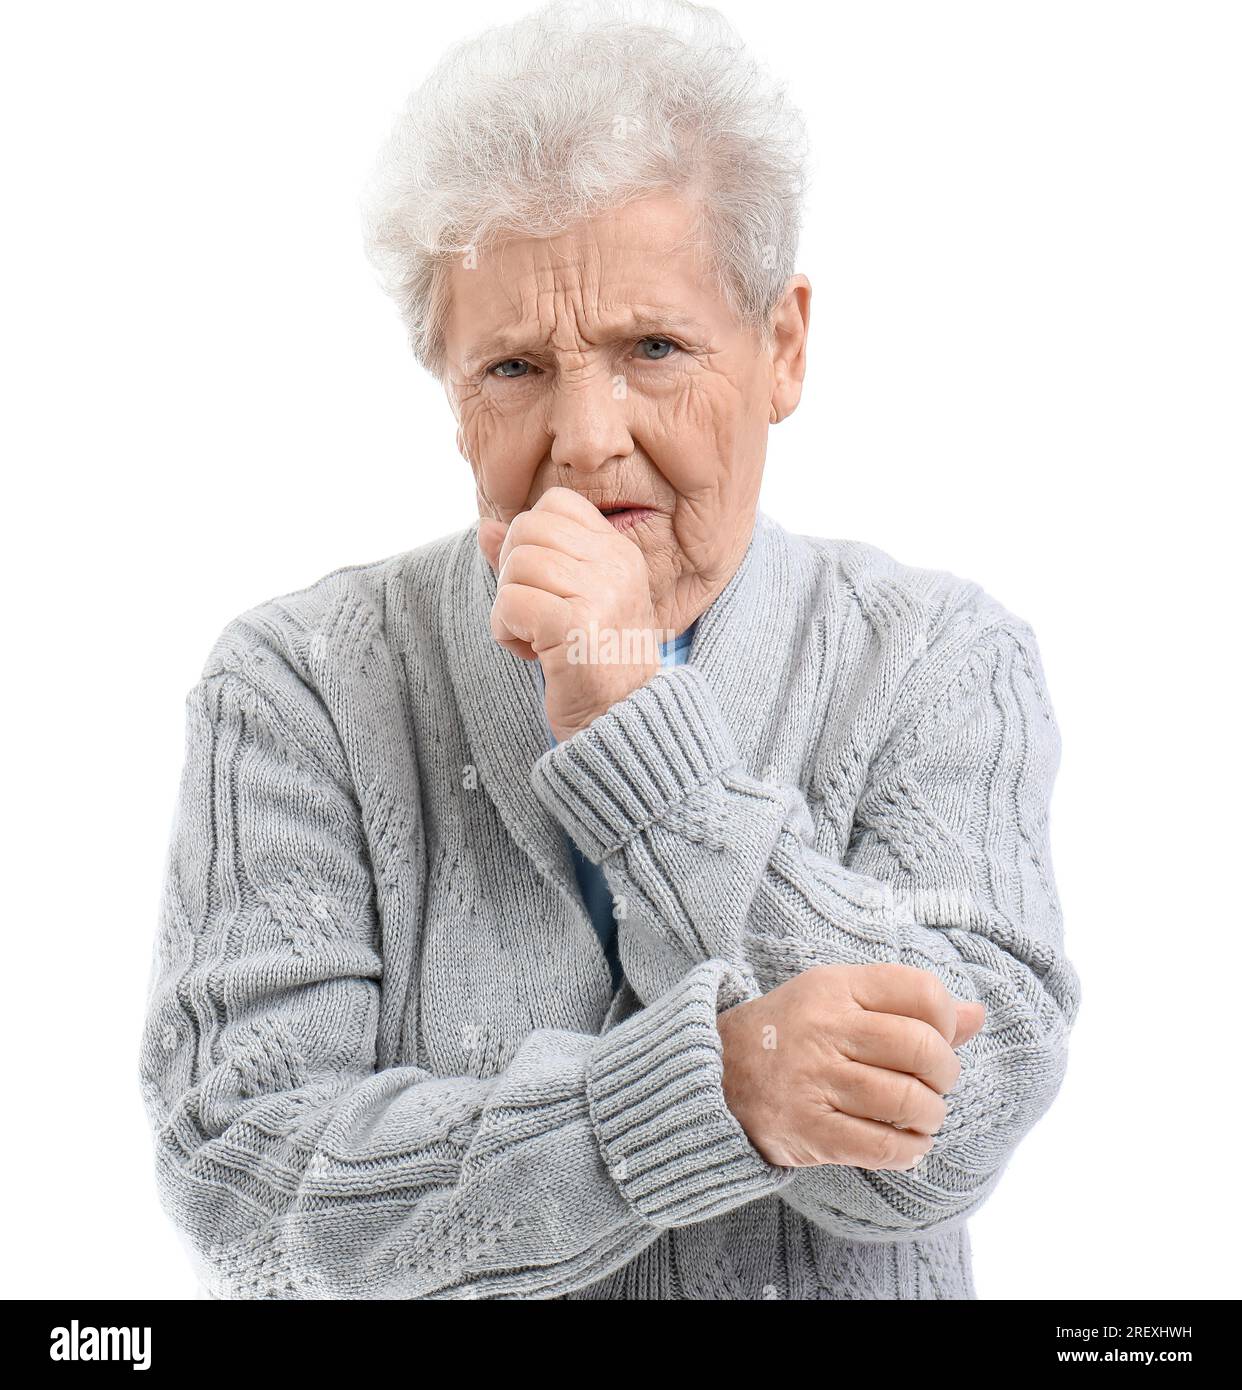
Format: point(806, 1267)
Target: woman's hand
point(573, 593)
point(845, 1064)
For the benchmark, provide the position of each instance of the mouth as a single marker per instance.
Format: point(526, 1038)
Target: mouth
point(624, 515)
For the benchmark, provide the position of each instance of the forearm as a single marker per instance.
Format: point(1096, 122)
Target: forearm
point(805, 912)
point(400, 1184)
point(297, 1167)
point(706, 861)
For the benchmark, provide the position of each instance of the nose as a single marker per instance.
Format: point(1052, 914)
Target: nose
point(588, 423)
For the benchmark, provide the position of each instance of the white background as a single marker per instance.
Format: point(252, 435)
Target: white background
point(1023, 241)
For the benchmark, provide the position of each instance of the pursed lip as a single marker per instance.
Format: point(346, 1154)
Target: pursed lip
point(623, 515)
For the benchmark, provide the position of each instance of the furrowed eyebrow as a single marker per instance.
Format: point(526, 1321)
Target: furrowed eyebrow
point(507, 345)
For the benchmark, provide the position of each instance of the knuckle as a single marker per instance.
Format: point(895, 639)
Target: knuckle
point(819, 979)
point(884, 1150)
point(930, 987)
point(837, 1079)
point(925, 1054)
point(525, 555)
point(915, 1097)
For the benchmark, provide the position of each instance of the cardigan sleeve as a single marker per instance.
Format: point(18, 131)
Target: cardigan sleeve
point(292, 1167)
point(947, 870)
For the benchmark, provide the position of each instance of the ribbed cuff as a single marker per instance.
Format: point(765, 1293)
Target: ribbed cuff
point(656, 1096)
point(622, 772)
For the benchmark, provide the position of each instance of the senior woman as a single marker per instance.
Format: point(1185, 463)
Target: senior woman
point(622, 898)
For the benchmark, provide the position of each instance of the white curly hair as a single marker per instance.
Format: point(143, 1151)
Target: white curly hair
point(577, 109)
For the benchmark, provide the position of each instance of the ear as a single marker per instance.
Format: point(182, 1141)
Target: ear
point(791, 321)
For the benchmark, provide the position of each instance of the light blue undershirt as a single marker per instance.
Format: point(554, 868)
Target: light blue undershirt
point(591, 882)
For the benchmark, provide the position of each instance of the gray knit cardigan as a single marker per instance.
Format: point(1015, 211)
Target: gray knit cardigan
point(382, 1058)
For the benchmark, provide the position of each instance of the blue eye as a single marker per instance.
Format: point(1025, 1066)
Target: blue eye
point(509, 362)
point(664, 342)
point(663, 348)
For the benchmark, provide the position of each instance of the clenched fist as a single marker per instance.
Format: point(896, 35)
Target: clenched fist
point(845, 1064)
point(573, 593)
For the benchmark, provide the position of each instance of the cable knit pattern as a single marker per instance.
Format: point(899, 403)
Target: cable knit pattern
point(382, 1057)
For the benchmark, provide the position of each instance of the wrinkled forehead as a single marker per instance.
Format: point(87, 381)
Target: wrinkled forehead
point(640, 270)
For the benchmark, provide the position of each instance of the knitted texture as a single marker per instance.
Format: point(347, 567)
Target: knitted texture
point(381, 1056)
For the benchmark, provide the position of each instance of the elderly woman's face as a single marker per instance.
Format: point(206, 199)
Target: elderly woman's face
point(603, 360)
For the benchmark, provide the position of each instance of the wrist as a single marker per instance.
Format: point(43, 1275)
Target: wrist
point(621, 688)
point(643, 756)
